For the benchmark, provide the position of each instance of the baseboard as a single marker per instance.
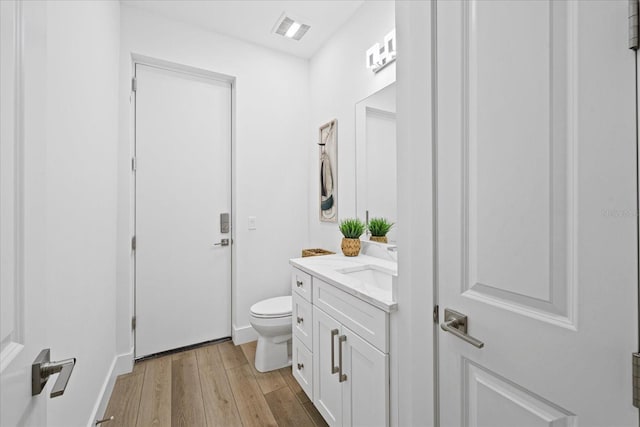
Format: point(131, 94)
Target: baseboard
point(243, 334)
point(122, 364)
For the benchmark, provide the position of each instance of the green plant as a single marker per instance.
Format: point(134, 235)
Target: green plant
point(352, 228)
point(379, 226)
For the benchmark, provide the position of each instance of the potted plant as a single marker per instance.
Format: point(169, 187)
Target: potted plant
point(351, 229)
point(379, 227)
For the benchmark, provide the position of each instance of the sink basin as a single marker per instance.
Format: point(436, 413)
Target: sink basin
point(370, 275)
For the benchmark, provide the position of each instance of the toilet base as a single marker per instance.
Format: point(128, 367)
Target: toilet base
point(273, 353)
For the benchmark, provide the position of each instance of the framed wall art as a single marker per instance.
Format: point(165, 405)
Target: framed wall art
point(329, 171)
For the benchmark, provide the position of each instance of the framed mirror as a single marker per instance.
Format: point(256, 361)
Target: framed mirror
point(376, 170)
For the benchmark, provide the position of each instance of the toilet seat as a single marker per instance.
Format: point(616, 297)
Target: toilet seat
point(271, 308)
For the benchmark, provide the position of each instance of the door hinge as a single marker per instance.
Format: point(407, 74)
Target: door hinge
point(134, 164)
point(134, 84)
point(436, 314)
point(133, 243)
point(636, 379)
point(133, 323)
point(633, 24)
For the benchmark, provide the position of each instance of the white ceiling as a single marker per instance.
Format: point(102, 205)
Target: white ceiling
point(254, 20)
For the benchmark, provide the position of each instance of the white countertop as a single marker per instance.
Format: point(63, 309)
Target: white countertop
point(326, 268)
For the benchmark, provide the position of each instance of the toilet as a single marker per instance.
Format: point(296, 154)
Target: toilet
point(271, 319)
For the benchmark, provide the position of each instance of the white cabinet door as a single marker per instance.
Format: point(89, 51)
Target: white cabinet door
point(327, 391)
point(537, 212)
point(365, 389)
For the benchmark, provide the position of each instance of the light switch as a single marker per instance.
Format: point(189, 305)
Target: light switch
point(252, 223)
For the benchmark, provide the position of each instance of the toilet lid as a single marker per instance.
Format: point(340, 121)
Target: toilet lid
point(272, 307)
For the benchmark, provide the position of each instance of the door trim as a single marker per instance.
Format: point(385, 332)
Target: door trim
point(137, 59)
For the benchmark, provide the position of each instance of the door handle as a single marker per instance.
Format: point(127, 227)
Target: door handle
point(42, 368)
point(456, 323)
point(334, 368)
point(341, 377)
point(223, 242)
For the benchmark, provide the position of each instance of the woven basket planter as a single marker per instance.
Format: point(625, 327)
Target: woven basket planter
point(350, 247)
point(379, 239)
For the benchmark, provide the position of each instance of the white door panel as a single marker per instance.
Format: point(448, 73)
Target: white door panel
point(23, 323)
point(536, 169)
point(365, 397)
point(327, 391)
point(183, 142)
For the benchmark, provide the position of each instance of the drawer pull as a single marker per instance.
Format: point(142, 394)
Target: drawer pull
point(299, 283)
point(299, 320)
point(334, 368)
point(341, 377)
point(300, 366)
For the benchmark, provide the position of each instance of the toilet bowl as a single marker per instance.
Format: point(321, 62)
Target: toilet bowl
point(271, 319)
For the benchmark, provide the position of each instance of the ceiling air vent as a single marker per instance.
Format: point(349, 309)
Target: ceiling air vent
point(290, 28)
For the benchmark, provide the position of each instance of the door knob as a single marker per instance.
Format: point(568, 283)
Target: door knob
point(42, 368)
point(456, 323)
point(223, 242)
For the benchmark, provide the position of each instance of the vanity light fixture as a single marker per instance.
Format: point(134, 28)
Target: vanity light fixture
point(378, 56)
point(290, 28)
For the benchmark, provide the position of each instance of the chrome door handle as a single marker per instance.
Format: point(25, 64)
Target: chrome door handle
point(341, 377)
point(299, 320)
point(42, 368)
point(223, 242)
point(299, 283)
point(334, 368)
point(300, 366)
point(456, 323)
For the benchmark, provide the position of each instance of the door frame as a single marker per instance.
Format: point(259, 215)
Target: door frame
point(137, 59)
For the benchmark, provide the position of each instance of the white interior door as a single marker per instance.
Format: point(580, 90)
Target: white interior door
point(23, 323)
point(536, 212)
point(183, 184)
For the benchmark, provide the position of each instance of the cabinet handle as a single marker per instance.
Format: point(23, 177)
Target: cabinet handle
point(300, 366)
point(334, 368)
point(299, 283)
point(341, 377)
point(299, 320)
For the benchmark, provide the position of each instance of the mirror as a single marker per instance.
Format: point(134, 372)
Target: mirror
point(376, 177)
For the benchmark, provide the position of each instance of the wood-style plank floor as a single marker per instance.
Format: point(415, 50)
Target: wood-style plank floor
point(215, 385)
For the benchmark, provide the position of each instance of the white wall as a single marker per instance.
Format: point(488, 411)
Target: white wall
point(81, 154)
point(339, 79)
point(416, 337)
point(270, 152)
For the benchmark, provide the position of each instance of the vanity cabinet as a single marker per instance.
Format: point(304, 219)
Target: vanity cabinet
point(345, 370)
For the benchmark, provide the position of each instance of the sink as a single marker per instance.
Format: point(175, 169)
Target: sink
point(370, 275)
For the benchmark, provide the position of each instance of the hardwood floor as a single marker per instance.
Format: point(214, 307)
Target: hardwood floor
point(215, 385)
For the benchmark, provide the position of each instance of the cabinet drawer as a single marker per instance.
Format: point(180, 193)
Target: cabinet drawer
point(368, 321)
point(302, 366)
point(301, 283)
point(302, 320)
